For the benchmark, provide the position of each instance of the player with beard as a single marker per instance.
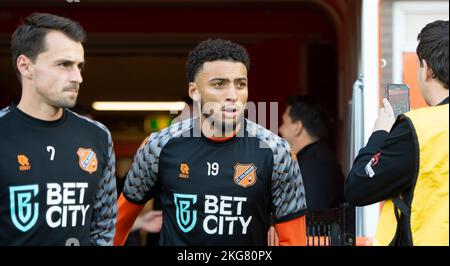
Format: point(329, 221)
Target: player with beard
point(57, 182)
point(220, 177)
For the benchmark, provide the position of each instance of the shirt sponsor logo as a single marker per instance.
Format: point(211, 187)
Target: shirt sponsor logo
point(65, 205)
point(223, 214)
point(244, 174)
point(186, 218)
point(87, 160)
point(24, 162)
point(24, 212)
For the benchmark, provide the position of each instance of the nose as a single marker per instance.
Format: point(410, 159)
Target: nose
point(231, 93)
point(75, 76)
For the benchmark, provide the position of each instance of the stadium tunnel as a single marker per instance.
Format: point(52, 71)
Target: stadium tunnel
point(136, 51)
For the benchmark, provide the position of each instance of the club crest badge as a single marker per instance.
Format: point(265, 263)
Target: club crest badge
point(87, 160)
point(245, 174)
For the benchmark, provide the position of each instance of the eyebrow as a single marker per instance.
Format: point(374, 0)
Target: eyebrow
point(218, 79)
point(81, 65)
point(227, 80)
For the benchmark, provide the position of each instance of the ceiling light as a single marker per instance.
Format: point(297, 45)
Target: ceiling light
point(138, 106)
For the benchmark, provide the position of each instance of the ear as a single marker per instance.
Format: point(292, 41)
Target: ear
point(298, 128)
point(194, 92)
point(427, 71)
point(25, 67)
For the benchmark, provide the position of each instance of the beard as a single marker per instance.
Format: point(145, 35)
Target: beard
point(68, 101)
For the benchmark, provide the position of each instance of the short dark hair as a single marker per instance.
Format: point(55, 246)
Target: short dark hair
point(213, 50)
point(433, 48)
point(29, 38)
point(312, 116)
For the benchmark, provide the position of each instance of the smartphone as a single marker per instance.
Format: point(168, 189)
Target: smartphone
point(398, 96)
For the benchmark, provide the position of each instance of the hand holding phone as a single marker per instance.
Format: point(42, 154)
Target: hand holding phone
point(386, 118)
point(398, 97)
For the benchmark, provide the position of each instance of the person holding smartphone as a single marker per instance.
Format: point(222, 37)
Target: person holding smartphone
point(406, 160)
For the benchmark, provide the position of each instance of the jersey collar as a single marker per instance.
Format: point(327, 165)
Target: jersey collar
point(38, 122)
point(445, 101)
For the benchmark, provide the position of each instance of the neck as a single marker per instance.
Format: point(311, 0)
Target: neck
point(37, 108)
point(438, 96)
point(301, 142)
point(215, 132)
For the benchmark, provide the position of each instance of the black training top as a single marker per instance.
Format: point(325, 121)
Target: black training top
point(217, 193)
point(57, 182)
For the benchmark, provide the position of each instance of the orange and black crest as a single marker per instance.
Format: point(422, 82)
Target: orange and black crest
point(245, 174)
point(87, 160)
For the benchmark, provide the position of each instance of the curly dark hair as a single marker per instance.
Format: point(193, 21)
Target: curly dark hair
point(433, 48)
point(213, 50)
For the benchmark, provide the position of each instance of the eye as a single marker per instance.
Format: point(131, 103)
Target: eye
point(219, 84)
point(241, 85)
point(64, 65)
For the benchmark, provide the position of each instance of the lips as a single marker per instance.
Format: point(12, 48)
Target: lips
point(72, 88)
point(229, 108)
point(230, 111)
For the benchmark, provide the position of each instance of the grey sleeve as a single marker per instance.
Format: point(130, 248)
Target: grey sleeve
point(141, 181)
point(142, 176)
point(288, 192)
point(104, 214)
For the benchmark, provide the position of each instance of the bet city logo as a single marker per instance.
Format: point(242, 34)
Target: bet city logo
point(65, 204)
point(223, 214)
